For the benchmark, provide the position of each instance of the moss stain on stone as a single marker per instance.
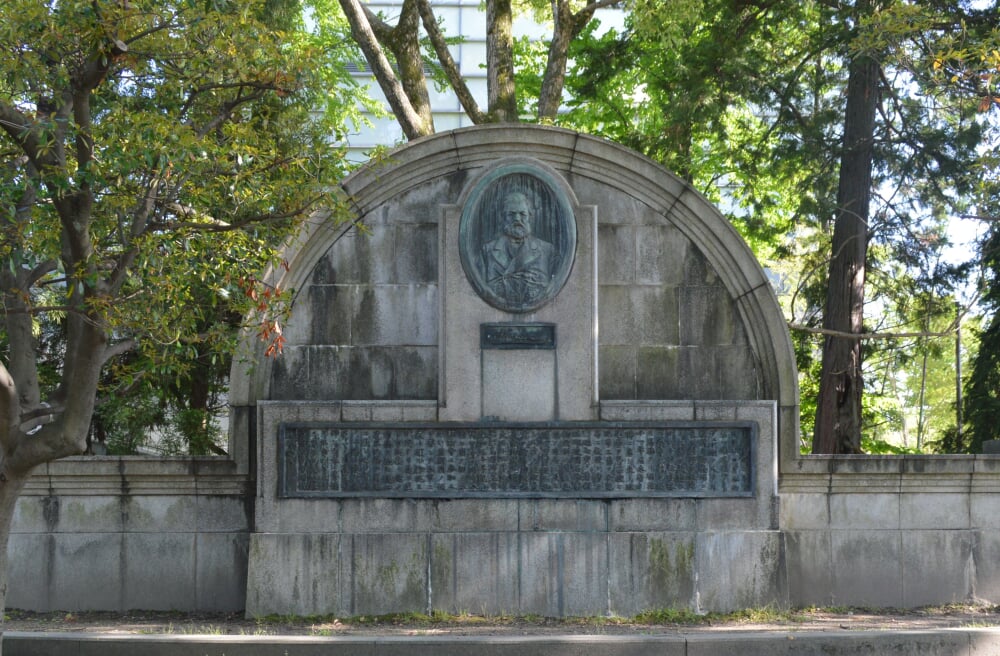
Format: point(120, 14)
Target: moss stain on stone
point(670, 566)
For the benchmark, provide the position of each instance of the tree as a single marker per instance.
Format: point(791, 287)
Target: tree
point(761, 105)
point(838, 409)
point(403, 80)
point(154, 156)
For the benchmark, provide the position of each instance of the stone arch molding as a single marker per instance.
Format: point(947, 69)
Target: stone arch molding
point(580, 166)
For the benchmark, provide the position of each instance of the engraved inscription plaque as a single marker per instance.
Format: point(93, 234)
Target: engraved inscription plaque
point(517, 336)
point(517, 238)
point(532, 460)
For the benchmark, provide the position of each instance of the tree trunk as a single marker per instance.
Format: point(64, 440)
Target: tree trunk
point(550, 97)
point(838, 411)
point(361, 30)
point(500, 61)
point(10, 490)
point(405, 46)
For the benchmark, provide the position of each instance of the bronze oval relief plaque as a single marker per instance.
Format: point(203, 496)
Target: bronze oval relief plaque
point(517, 238)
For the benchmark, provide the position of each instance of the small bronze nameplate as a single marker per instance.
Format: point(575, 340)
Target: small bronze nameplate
point(517, 336)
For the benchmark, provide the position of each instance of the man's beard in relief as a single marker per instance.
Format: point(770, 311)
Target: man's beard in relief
point(517, 231)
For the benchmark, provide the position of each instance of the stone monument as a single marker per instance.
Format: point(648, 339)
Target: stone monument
point(548, 378)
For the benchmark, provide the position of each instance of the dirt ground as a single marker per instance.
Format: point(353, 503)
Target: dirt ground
point(665, 622)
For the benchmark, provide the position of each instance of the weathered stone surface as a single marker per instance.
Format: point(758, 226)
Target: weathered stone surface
point(740, 569)
point(809, 559)
point(29, 576)
point(519, 385)
point(563, 573)
point(638, 315)
point(221, 571)
point(937, 565)
point(474, 570)
point(388, 573)
point(708, 318)
point(652, 515)
point(652, 570)
point(874, 561)
point(159, 571)
point(859, 511)
point(290, 378)
point(657, 375)
point(986, 554)
point(160, 514)
point(563, 515)
point(300, 574)
point(616, 250)
point(416, 256)
point(617, 371)
point(661, 251)
point(100, 585)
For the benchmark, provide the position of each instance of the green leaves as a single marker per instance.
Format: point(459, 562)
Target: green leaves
point(170, 147)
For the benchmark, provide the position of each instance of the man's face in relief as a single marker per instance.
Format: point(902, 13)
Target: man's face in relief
point(516, 217)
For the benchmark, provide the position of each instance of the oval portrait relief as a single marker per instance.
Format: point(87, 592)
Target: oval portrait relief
point(517, 238)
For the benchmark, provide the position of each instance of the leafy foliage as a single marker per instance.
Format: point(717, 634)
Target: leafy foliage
point(155, 156)
point(746, 101)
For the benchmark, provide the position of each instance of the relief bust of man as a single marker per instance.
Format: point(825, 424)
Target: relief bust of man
point(517, 266)
point(517, 237)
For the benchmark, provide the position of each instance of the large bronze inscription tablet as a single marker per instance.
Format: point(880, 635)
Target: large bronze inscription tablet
point(534, 460)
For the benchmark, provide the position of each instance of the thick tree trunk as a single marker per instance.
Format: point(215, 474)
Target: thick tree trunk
point(838, 412)
point(500, 61)
point(10, 490)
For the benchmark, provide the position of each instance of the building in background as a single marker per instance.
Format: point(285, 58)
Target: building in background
point(466, 18)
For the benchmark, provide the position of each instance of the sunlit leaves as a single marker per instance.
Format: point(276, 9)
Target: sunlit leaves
point(180, 142)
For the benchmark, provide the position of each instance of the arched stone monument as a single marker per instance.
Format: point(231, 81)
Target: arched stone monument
point(548, 377)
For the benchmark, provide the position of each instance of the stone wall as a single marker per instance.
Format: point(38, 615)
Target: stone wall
point(131, 533)
point(551, 557)
point(891, 531)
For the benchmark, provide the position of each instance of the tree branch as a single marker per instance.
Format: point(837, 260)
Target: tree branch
point(864, 336)
point(19, 128)
point(364, 36)
point(448, 64)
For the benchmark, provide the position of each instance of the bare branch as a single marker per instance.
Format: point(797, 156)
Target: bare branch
point(114, 350)
point(865, 336)
point(226, 112)
point(41, 270)
point(448, 64)
point(221, 226)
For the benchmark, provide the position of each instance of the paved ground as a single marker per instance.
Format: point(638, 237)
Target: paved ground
point(665, 623)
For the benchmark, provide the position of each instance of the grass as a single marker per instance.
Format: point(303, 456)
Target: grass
point(415, 623)
point(329, 625)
